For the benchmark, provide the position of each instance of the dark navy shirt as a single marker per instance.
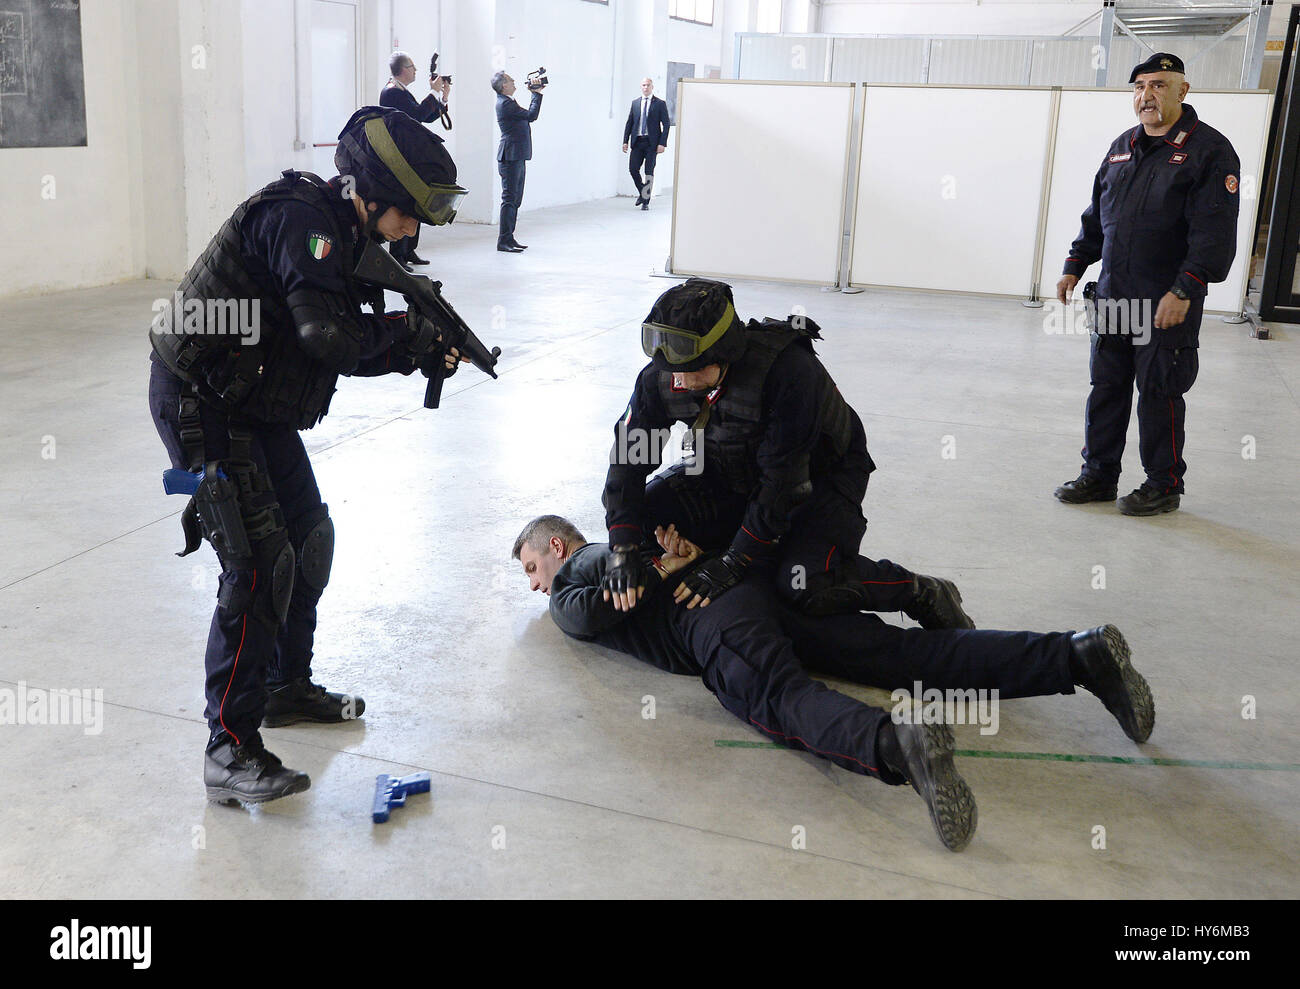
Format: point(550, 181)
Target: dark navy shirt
point(650, 631)
point(1163, 214)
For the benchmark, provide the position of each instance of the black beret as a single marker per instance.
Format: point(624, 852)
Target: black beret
point(1159, 62)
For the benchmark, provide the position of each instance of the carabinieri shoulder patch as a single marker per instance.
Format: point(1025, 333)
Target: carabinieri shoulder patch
point(319, 245)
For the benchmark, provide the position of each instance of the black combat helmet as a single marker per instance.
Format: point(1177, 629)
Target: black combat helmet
point(693, 325)
point(397, 162)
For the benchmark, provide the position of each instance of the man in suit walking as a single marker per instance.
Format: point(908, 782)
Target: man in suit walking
point(395, 94)
point(646, 133)
point(513, 152)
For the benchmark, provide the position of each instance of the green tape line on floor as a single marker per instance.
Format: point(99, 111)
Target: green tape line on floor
point(1285, 767)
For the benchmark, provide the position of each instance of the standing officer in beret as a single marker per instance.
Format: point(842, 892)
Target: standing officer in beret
point(1163, 223)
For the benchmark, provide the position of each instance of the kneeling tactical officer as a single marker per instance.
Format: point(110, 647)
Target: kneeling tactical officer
point(232, 406)
point(783, 473)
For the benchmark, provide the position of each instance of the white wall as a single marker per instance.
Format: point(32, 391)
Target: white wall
point(190, 109)
point(86, 234)
point(268, 80)
point(944, 17)
point(577, 138)
point(698, 44)
point(1016, 17)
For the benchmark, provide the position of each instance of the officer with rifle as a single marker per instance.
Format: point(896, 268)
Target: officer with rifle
point(303, 256)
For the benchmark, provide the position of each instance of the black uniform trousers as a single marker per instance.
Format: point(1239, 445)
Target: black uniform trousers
point(1163, 375)
point(756, 660)
point(512, 195)
point(642, 152)
point(819, 550)
point(244, 656)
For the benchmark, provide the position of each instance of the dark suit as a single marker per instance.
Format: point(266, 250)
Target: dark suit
point(513, 152)
point(644, 149)
point(425, 111)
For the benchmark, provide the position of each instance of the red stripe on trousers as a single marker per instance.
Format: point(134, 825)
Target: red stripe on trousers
point(243, 630)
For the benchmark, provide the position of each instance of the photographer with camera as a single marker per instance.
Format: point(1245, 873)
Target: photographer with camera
point(397, 96)
point(515, 149)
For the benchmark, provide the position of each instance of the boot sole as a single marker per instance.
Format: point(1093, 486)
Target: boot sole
point(950, 800)
point(1137, 716)
point(225, 795)
point(1143, 512)
point(285, 720)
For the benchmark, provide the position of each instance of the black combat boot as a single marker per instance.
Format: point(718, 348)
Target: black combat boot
point(937, 604)
point(923, 755)
point(1084, 488)
point(1149, 500)
point(1100, 664)
point(301, 700)
point(247, 773)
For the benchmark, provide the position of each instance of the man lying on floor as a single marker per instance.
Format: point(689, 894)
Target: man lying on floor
point(754, 654)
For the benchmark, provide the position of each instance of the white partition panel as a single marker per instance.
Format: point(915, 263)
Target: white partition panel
point(1091, 119)
point(760, 179)
point(949, 188)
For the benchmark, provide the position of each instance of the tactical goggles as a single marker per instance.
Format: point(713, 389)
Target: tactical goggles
point(435, 203)
point(681, 346)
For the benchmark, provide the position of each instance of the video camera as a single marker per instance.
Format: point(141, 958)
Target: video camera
point(537, 80)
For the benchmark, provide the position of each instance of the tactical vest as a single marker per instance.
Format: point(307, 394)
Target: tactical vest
point(274, 381)
point(735, 426)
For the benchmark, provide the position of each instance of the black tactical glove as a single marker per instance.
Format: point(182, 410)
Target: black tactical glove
point(625, 572)
point(713, 577)
point(425, 346)
point(423, 336)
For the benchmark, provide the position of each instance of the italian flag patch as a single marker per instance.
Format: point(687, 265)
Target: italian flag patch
point(319, 245)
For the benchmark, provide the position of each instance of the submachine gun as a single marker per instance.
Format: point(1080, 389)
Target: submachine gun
point(424, 297)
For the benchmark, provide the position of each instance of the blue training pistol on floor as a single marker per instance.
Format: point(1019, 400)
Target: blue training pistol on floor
point(391, 791)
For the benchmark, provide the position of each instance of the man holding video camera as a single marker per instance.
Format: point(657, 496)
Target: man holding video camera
point(515, 149)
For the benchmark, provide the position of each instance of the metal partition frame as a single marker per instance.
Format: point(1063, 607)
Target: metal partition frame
point(851, 178)
point(1035, 276)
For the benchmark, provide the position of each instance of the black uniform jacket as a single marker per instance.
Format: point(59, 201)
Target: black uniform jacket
point(792, 425)
point(1163, 213)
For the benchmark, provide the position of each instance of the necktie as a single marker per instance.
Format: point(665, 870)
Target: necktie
point(644, 103)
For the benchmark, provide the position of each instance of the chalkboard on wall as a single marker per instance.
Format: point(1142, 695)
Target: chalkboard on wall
point(42, 84)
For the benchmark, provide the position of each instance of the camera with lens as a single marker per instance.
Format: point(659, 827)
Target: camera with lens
point(537, 80)
point(433, 68)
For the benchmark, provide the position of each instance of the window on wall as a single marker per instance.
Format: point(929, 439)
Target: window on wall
point(769, 16)
point(696, 11)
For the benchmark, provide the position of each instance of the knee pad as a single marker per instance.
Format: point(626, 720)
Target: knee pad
point(317, 553)
point(282, 573)
point(272, 589)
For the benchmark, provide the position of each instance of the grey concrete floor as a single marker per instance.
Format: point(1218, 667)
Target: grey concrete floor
point(536, 742)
